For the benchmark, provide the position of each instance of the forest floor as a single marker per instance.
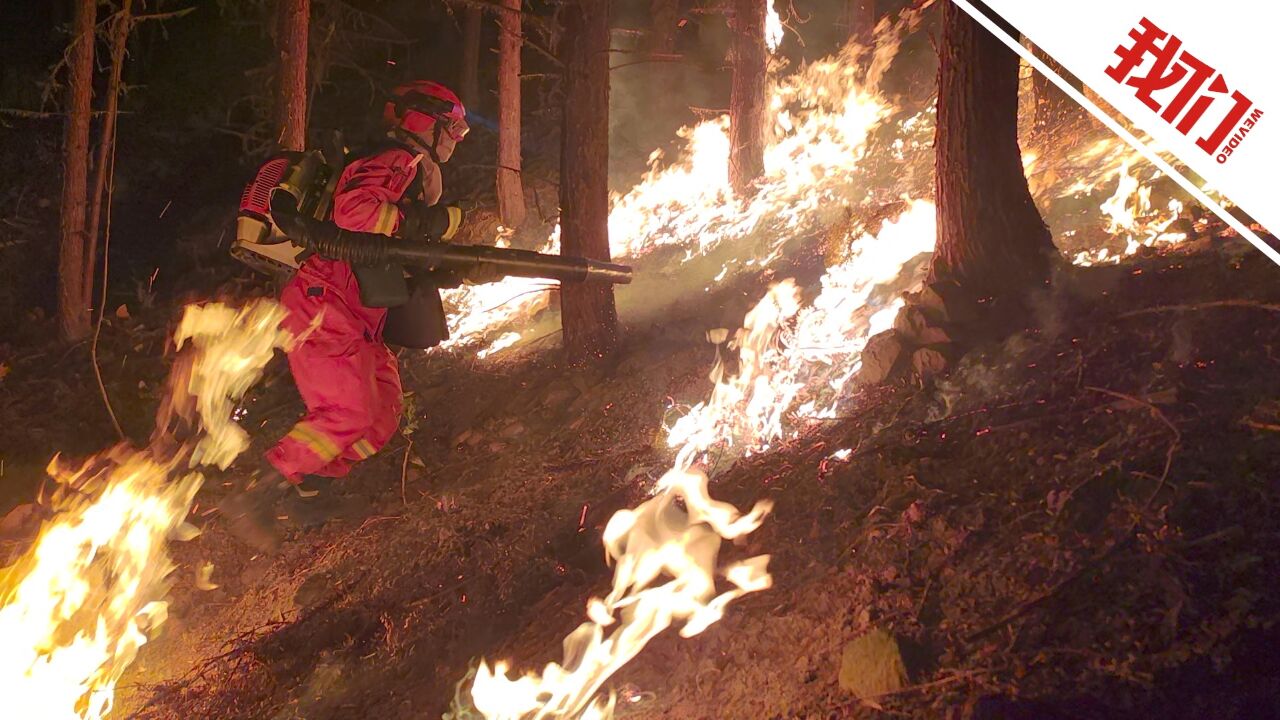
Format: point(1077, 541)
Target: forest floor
point(1078, 522)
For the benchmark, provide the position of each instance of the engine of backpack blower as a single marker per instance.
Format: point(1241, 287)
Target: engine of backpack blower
point(294, 182)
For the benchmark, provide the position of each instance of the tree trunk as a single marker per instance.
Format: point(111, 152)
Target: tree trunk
point(588, 314)
point(510, 187)
point(73, 317)
point(105, 163)
point(1052, 105)
point(469, 74)
point(293, 25)
point(991, 239)
point(860, 15)
point(746, 101)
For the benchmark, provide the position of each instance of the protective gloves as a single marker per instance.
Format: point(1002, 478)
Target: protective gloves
point(430, 222)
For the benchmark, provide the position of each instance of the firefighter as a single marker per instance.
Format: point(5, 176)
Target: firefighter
point(346, 375)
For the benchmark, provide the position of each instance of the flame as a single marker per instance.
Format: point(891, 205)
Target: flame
point(784, 351)
point(772, 28)
point(860, 298)
point(822, 118)
point(676, 536)
point(820, 123)
point(1130, 216)
point(76, 608)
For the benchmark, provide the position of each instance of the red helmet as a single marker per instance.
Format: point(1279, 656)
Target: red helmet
point(416, 107)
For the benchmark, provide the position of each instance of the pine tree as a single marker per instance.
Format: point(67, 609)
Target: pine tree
point(73, 315)
point(510, 187)
point(293, 25)
point(746, 101)
point(588, 314)
point(991, 239)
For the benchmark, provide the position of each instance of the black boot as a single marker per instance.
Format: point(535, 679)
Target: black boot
point(312, 504)
point(251, 513)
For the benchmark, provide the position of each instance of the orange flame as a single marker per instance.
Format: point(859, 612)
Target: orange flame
point(676, 536)
point(784, 350)
point(820, 122)
point(76, 608)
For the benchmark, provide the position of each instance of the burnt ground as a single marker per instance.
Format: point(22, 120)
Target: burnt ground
point(1079, 522)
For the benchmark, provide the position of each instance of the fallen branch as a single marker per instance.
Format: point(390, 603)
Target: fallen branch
point(1250, 422)
point(404, 471)
point(162, 16)
point(44, 115)
point(1202, 306)
point(1155, 412)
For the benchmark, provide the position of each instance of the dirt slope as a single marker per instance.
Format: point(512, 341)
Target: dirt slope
point(1081, 517)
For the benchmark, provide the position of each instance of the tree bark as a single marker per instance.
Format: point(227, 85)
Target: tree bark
point(293, 25)
point(588, 314)
point(103, 167)
point(991, 239)
point(1053, 106)
point(510, 187)
point(746, 101)
point(73, 317)
point(469, 74)
point(860, 15)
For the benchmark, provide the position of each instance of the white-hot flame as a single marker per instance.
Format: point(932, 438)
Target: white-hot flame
point(784, 351)
point(665, 554)
point(820, 122)
point(75, 609)
point(772, 27)
point(1130, 215)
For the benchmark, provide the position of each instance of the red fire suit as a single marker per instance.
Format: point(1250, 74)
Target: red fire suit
point(346, 376)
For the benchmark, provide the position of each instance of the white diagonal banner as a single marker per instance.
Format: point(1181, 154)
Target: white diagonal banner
point(1199, 81)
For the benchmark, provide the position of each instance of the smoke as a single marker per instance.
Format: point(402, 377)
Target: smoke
point(651, 97)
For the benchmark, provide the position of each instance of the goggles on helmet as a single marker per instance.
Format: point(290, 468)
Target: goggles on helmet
point(454, 126)
point(442, 111)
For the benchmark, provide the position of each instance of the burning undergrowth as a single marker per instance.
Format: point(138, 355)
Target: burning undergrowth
point(77, 606)
point(840, 156)
point(840, 152)
point(1125, 475)
point(886, 517)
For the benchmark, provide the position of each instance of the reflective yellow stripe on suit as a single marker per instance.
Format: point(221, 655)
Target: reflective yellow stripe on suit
point(317, 442)
point(364, 449)
point(387, 217)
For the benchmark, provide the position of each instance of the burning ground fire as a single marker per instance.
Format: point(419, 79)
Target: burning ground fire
point(78, 606)
point(665, 550)
point(835, 146)
point(785, 351)
point(822, 120)
point(675, 535)
point(75, 609)
point(795, 361)
point(794, 364)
